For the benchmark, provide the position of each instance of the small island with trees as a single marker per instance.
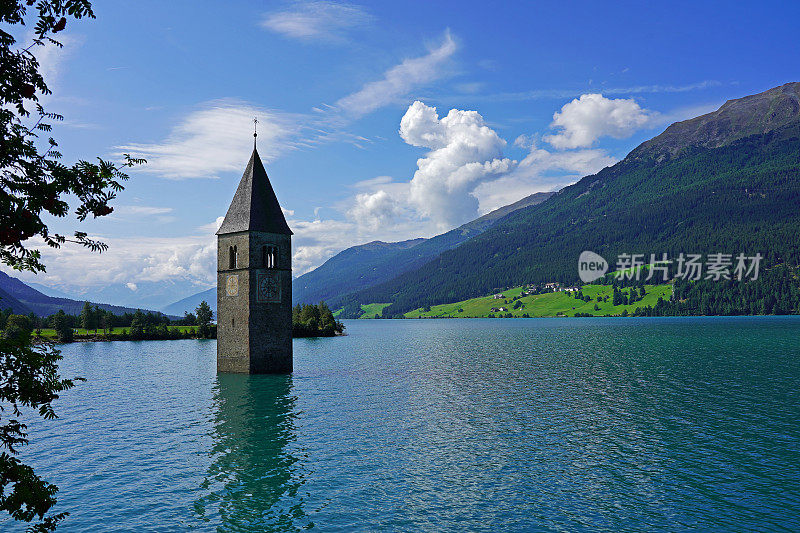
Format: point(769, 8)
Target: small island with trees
point(315, 321)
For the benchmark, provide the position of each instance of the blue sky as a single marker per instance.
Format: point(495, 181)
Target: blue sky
point(345, 96)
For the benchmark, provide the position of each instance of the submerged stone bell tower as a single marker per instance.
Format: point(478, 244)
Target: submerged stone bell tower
point(254, 280)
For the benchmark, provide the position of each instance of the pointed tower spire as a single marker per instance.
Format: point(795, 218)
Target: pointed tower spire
point(255, 206)
point(254, 280)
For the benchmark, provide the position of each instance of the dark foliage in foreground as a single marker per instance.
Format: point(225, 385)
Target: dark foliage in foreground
point(35, 185)
point(29, 380)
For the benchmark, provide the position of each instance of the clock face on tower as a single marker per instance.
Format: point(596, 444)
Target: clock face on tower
point(269, 287)
point(232, 285)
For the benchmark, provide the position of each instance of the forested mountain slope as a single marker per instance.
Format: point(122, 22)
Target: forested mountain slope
point(363, 266)
point(347, 271)
point(7, 301)
point(727, 182)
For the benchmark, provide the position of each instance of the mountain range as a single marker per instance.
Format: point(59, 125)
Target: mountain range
point(724, 182)
point(141, 294)
point(376, 262)
point(190, 303)
point(24, 299)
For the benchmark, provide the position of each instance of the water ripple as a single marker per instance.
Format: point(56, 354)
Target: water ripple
point(480, 425)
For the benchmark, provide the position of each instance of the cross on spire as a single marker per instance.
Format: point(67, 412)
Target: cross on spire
point(255, 131)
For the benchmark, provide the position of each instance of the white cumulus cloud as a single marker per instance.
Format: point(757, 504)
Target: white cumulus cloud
point(463, 175)
point(464, 153)
point(315, 241)
point(584, 120)
point(377, 209)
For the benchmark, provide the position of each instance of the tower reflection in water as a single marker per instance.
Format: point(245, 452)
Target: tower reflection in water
point(254, 481)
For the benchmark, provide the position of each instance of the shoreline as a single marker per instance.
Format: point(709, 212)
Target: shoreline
point(555, 316)
point(102, 338)
point(115, 338)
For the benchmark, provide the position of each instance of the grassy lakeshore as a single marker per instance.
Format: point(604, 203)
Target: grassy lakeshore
point(80, 332)
point(113, 334)
point(549, 304)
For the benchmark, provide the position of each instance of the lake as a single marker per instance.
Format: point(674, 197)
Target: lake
point(427, 425)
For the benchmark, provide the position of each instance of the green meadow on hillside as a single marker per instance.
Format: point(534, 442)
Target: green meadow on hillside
point(370, 310)
point(367, 311)
point(545, 305)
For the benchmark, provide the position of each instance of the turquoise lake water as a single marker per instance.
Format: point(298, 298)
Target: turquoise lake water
point(430, 425)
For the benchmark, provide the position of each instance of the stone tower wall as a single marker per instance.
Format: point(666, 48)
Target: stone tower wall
point(270, 314)
point(233, 333)
point(254, 305)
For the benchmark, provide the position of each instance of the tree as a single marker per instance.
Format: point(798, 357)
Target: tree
point(326, 320)
point(189, 319)
point(97, 314)
point(33, 182)
point(310, 317)
point(137, 325)
point(88, 319)
point(315, 321)
point(204, 316)
point(35, 185)
point(33, 382)
point(617, 300)
point(106, 321)
point(18, 327)
point(204, 313)
point(4, 316)
point(62, 326)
